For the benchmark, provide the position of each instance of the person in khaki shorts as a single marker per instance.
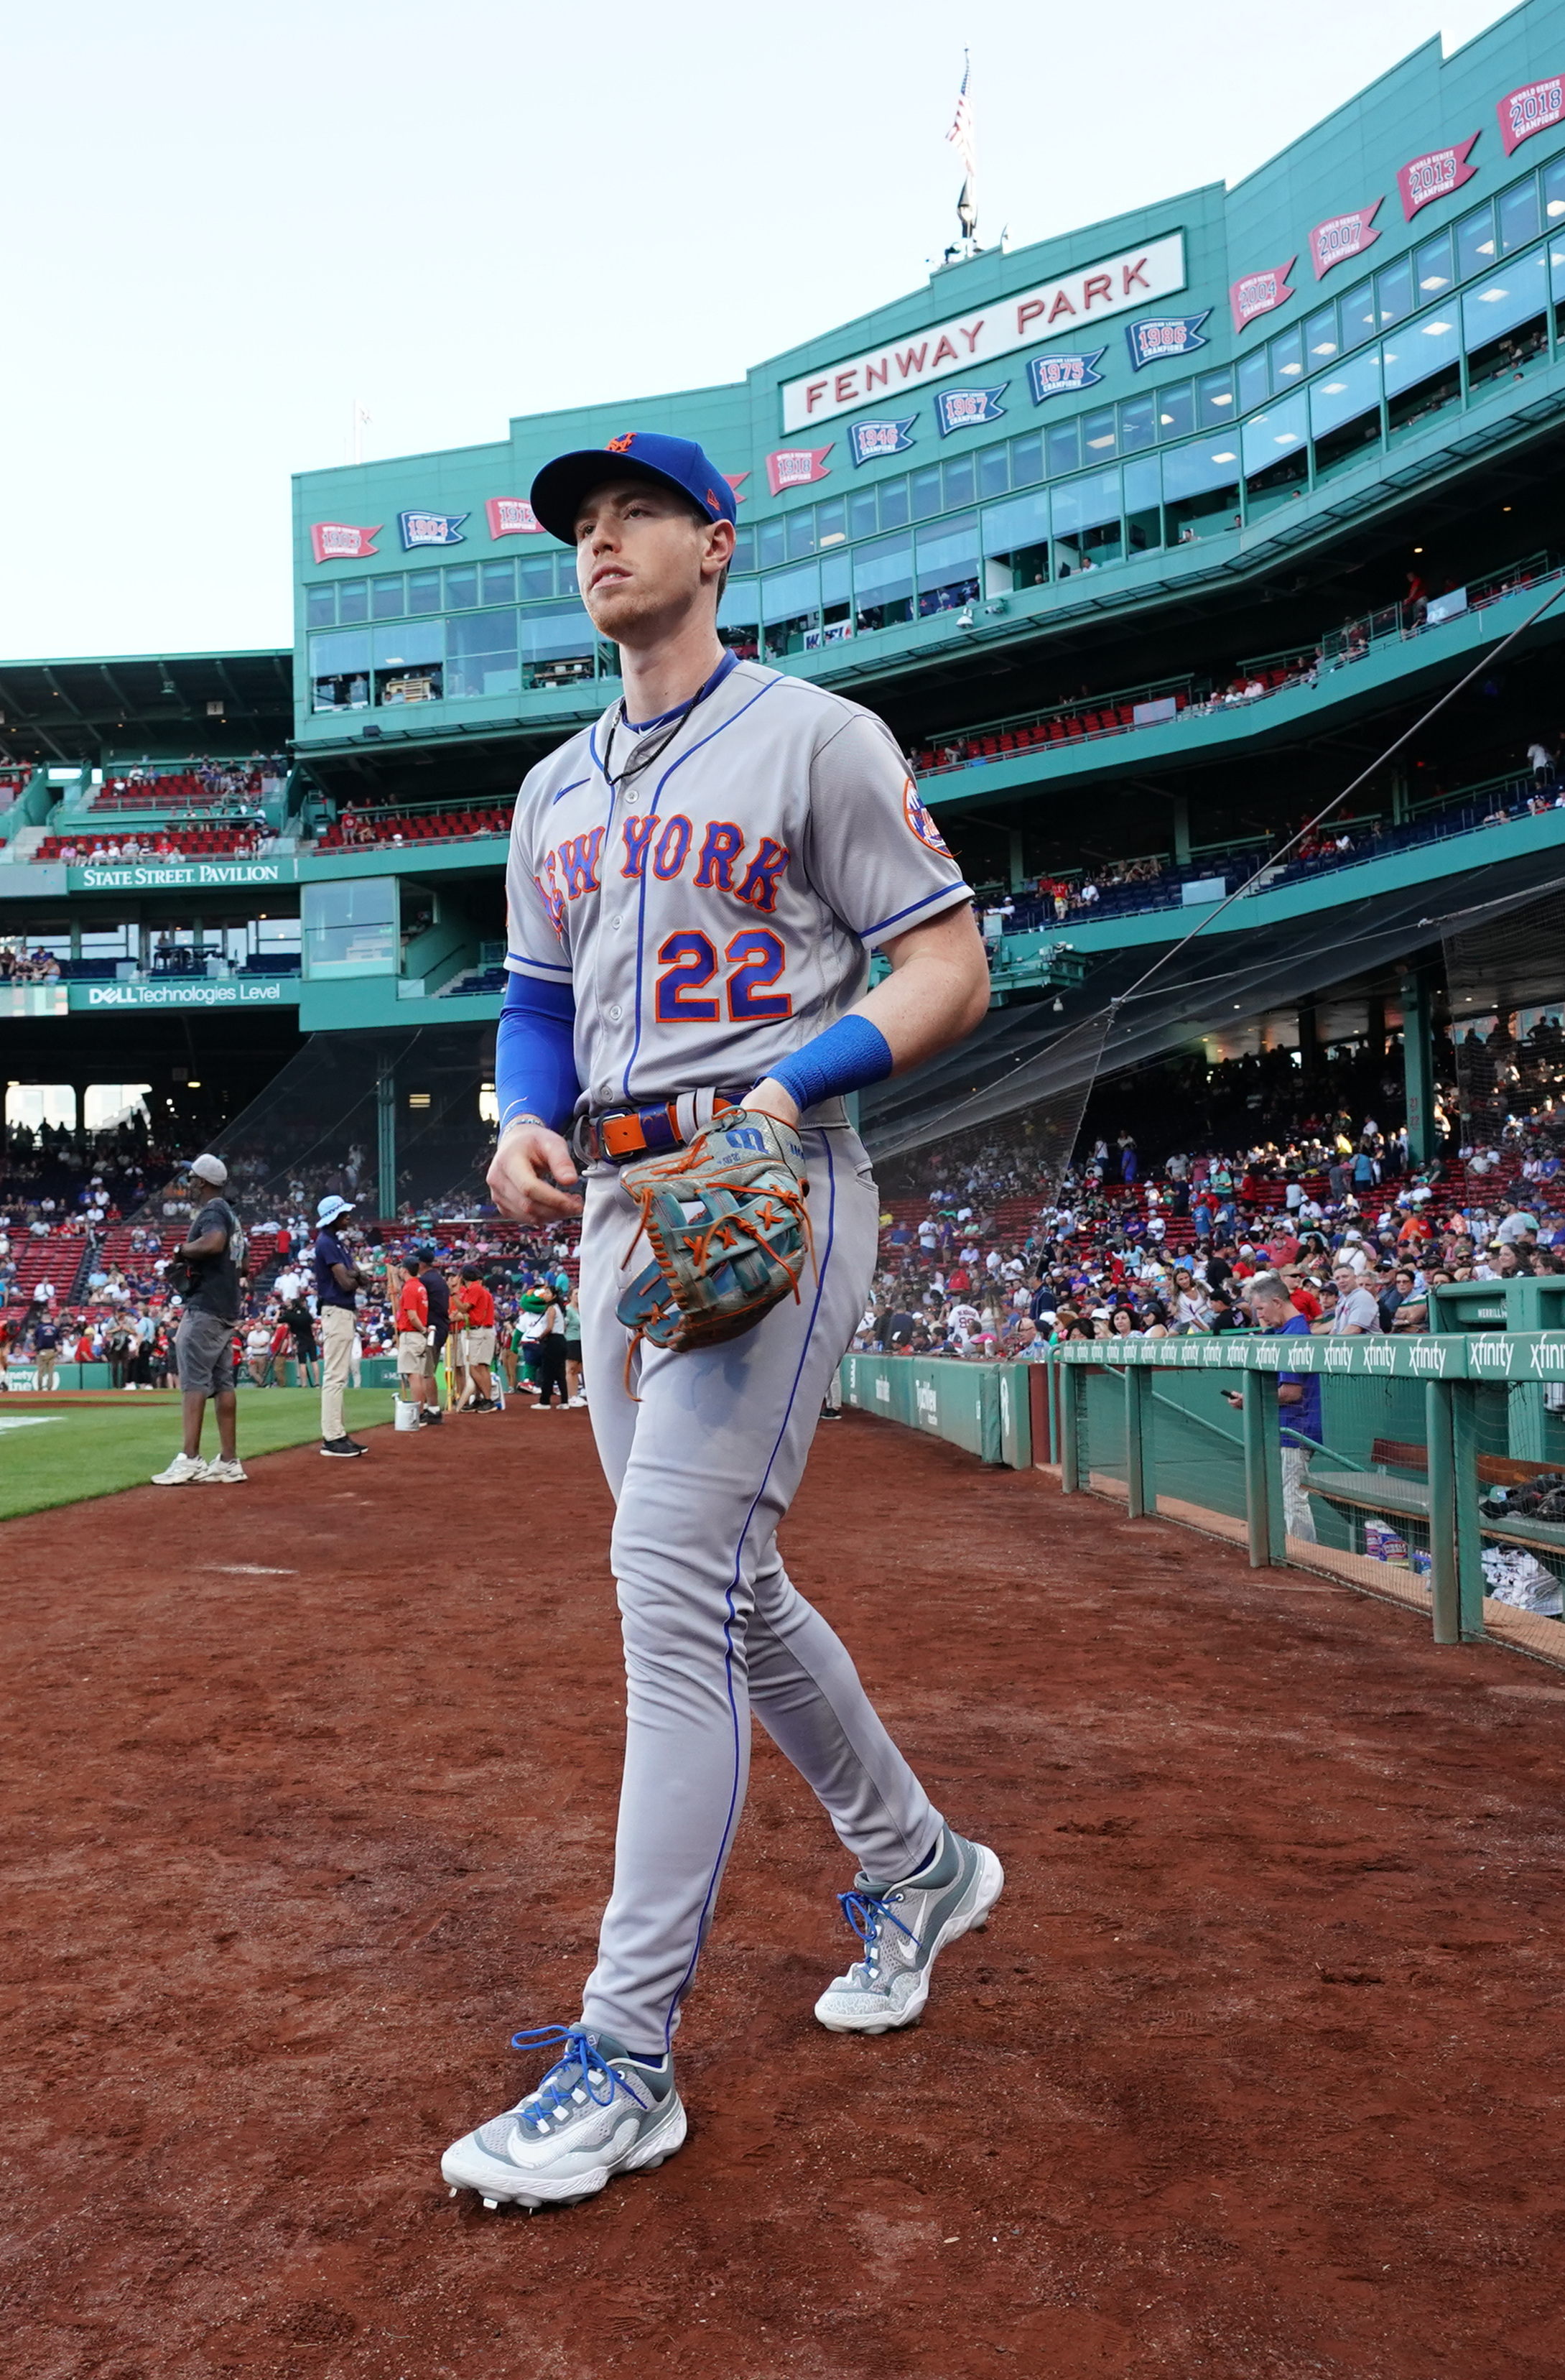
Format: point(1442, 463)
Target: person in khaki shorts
point(338, 1280)
point(414, 1376)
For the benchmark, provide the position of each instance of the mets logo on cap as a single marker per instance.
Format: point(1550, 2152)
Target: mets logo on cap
point(622, 445)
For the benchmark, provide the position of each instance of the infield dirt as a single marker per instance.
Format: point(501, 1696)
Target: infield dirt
point(310, 1797)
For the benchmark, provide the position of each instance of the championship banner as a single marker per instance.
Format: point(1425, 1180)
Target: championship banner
point(1063, 375)
point(430, 528)
point(1153, 340)
point(965, 408)
point(1260, 293)
point(868, 441)
point(1434, 175)
point(797, 466)
point(512, 517)
point(1536, 107)
point(335, 541)
point(736, 480)
point(1341, 237)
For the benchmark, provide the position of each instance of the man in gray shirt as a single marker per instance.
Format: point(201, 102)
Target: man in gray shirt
point(204, 1342)
point(1357, 1311)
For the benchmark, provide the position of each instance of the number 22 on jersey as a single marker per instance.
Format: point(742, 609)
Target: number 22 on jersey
point(689, 960)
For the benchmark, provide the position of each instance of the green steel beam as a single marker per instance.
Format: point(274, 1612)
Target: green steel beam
point(1444, 1573)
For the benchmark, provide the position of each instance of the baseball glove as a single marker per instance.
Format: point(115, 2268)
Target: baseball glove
point(726, 1220)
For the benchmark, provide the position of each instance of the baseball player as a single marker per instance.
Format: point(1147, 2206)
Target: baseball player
point(696, 884)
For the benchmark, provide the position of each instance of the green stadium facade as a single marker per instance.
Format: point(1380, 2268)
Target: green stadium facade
point(1146, 540)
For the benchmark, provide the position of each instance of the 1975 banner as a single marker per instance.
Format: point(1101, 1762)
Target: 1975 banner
point(1054, 309)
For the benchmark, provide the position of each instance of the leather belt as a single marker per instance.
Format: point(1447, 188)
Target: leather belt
point(618, 1136)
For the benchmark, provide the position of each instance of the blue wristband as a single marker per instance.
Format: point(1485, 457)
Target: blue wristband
point(534, 1053)
point(844, 1058)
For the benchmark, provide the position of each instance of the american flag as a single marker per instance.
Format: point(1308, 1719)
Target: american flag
point(962, 126)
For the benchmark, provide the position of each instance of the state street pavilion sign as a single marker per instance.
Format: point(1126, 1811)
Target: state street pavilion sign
point(1053, 310)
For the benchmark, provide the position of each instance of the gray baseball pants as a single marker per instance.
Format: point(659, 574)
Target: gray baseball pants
point(703, 1468)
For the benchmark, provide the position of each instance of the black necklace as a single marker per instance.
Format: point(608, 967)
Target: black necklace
point(650, 748)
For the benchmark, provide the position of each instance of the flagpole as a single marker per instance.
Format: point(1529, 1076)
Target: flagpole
point(962, 135)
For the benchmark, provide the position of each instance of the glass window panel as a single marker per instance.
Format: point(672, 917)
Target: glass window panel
point(1339, 396)
point(320, 607)
point(1097, 435)
point(1434, 265)
point(771, 543)
point(789, 593)
point(385, 598)
point(1514, 294)
point(948, 564)
point(1138, 426)
point(1421, 347)
point(882, 581)
point(801, 533)
point(1357, 315)
point(1214, 399)
point(1270, 437)
point(462, 589)
point(481, 655)
point(738, 618)
point(831, 522)
point(1554, 190)
point(1144, 484)
point(1393, 293)
point(1476, 241)
point(334, 656)
point(1204, 463)
point(423, 590)
point(836, 584)
point(1520, 218)
point(565, 575)
point(352, 598)
point(499, 582)
point(744, 551)
point(1026, 459)
point(1176, 410)
point(349, 925)
point(538, 578)
point(926, 492)
point(1253, 376)
point(1062, 447)
point(1023, 521)
point(994, 470)
point(1321, 342)
point(894, 509)
point(413, 640)
point(959, 481)
point(563, 633)
point(1085, 503)
point(1556, 263)
point(1286, 356)
point(862, 520)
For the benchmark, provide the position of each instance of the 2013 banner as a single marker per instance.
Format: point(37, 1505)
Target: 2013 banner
point(1155, 338)
point(1063, 375)
point(339, 542)
point(1435, 175)
point(965, 408)
point(868, 441)
point(430, 528)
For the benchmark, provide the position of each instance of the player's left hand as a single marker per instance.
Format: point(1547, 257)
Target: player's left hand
point(771, 1099)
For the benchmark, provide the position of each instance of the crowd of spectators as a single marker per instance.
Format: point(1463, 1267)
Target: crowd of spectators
point(19, 965)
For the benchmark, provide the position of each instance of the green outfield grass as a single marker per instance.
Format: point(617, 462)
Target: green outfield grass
point(63, 1454)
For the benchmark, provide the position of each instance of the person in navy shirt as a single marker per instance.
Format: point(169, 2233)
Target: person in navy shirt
point(1298, 1395)
point(337, 1281)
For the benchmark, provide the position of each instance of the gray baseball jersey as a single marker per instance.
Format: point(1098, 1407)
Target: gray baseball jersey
point(717, 911)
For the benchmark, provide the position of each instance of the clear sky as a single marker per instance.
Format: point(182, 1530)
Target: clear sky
point(225, 223)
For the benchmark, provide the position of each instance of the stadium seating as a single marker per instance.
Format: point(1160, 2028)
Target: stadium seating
point(370, 827)
point(92, 849)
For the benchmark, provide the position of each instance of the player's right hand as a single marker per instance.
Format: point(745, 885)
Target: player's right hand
point(529, 1162)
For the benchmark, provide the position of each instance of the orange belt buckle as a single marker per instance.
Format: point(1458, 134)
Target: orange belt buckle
point(622, 1136)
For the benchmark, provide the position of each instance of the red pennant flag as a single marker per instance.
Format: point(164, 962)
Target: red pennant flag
point(513, 517)
point(1260, 293)
point(337, 542)
point(797, 466)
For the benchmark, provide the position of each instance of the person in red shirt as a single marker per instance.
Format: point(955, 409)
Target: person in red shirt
point(479, 1309)
point(413, 1377)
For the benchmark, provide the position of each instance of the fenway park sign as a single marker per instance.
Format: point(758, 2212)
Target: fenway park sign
point(1054, 309)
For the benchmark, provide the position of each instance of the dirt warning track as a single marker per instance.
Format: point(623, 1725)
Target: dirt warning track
point(308, 1799)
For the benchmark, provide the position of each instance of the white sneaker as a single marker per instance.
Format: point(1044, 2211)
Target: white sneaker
point(576, 1400)
point(222, 1474)
point(181, 1472)
point(904, 1927)
point(598, 2112)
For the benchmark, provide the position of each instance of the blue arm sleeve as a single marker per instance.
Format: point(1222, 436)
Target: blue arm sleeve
point(844, 1058)
point(534, 1053)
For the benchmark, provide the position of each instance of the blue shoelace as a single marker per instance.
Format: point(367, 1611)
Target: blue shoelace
point(865, 1915)
point(580, 2065)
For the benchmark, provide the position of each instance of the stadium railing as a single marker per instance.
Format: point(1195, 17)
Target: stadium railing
point(1431, 1483)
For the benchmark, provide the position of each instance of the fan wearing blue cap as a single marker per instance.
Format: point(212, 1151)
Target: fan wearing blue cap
point(337, 1283)
point(696, 883)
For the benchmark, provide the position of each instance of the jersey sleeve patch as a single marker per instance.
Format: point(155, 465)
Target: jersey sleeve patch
point(916, 812)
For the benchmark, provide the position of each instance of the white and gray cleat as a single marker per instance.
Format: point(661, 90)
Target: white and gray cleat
point(904, 1928)
point(597, 2112)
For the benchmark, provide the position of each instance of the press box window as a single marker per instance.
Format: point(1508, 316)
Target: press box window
point(1016, 538)
point(480, 656)
point(408, 660)
point(349, 927)
point(339, 672)
point(882, 583)
point(320, 607)
point(738, 619)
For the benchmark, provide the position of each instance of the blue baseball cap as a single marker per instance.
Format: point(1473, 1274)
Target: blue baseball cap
point(637, 454)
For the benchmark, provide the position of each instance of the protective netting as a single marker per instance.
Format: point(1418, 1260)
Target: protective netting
point(1505, 981)
point(1101, 1427)
point(1198, 1448)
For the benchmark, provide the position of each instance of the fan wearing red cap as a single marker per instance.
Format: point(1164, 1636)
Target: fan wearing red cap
point(696, 885)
